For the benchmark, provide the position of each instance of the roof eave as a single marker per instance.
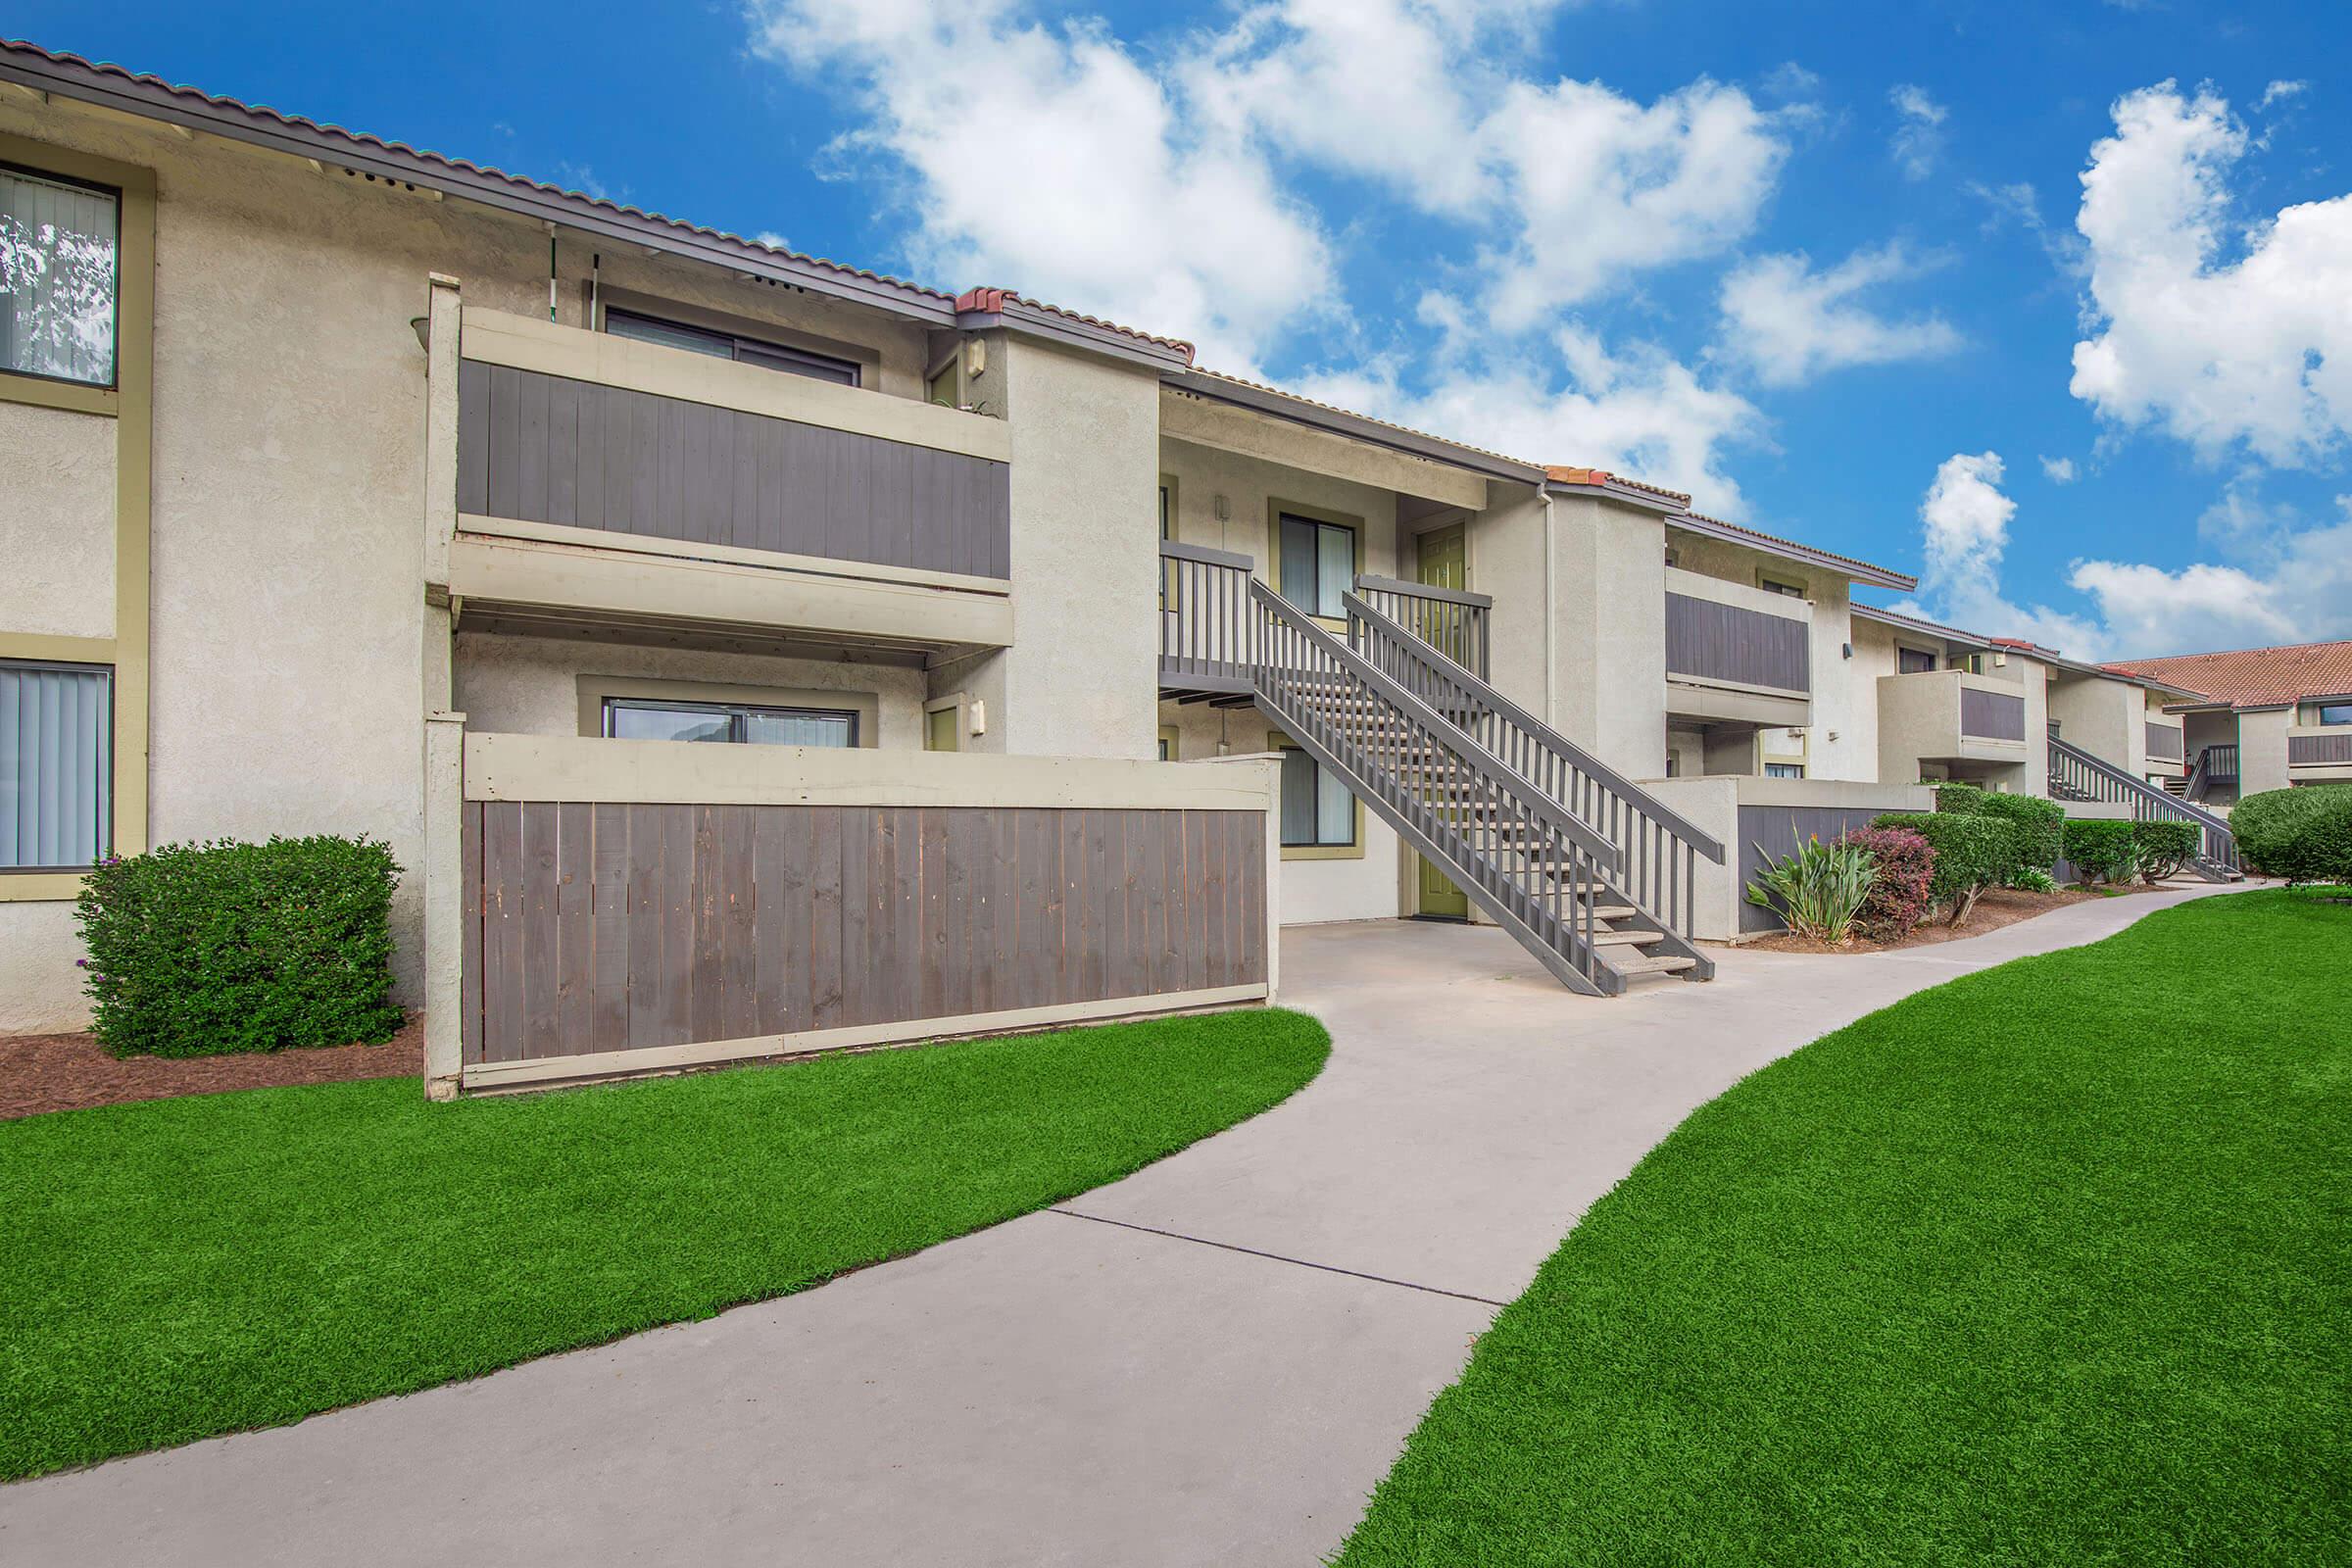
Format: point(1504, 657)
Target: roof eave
point(1788, 550)
point(1338, 421)
point(1624, 495)
point(1019, 316)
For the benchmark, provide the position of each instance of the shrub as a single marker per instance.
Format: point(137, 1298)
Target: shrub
point(1905, 870)
point(1971, 853)
point(2099, 849)
point(1818, 889)
point(2032, 880)
point(201, 950)
point(2161, 849)
point(2303, 835)
point(2039, 826)
point(1960, 800)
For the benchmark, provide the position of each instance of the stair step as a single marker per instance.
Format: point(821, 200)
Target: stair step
point(1630, 937)
point(1652, 963)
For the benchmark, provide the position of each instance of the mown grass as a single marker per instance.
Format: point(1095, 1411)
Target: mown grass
point(2051, 1264)
point(185, 1267)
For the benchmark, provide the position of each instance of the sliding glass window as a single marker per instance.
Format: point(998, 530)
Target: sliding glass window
point(630, 718)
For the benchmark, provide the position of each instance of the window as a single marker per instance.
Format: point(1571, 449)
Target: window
point(1318, 563)
point(1913, 661)
point(1783, 770)
point(57, 246)
point(944, 388)
point(2335, 713)
point(1317, 810)
point(1167, 743)
point(942, 728)
point(728, 346)
point(57, 765)
point(1788, 589)
point(1973, 664)
point(631, 718)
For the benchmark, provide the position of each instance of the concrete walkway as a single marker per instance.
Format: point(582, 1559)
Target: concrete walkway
point(1214, 1361)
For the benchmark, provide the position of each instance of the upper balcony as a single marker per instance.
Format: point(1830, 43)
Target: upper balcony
point(2166, 747)
point(2319, 753)
point(1949, 715)
point(1737, 654)
point(634, 489)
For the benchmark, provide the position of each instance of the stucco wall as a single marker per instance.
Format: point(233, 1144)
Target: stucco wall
point(1247, 484)
point(1841, 739)
point(2262, 750)
point(287, 497)
point(57, 522)
point(1609, 632)
point(1082, 677)
point(2102, 717)
point(530, 685)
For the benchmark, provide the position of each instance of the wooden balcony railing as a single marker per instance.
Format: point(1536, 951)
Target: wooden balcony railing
point(1452, 620)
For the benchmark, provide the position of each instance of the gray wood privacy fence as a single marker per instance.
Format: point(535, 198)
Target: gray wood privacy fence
point(550, 449)
point(594, 928)
point(1991, 715)
point(1728, 642)
point(1777, 831)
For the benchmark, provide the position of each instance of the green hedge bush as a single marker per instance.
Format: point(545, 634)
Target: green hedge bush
point(1961, 800)
point(2303, 835)
point(199, 949)
point(2162, 849)
point(1973, 852)
point(2040, 825)
point(2100, 849)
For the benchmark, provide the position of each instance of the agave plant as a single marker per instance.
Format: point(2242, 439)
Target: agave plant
point(1818, 889)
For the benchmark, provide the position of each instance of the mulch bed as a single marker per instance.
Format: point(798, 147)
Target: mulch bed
point(1999, 906)
point(70, 1073)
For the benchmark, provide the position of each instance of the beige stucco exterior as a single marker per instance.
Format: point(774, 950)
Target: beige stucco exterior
point(57, 520)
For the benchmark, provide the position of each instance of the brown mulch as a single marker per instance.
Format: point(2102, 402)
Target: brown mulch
point(68, 1072)
point(1998, 908)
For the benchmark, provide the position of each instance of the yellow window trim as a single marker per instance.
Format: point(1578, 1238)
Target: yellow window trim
point(1275, 508)
point(131, 404)
point(1171, 735)
point(1276, 740)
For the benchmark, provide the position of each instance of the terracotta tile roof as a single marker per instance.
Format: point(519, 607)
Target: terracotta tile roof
point(1775, 542)
point(1558, 474)
point(991, 302)
point(994, 298)
point(2255, 677)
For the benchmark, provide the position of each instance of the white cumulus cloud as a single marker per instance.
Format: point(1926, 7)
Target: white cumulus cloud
point(2254, 352)
point(1791, 322)
point(2059, 470)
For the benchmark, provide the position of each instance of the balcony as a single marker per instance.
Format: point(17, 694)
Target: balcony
point(1735, 654)
point(1949, 716)
point(2166, 748)
point(2319, 753)
point(629, 489)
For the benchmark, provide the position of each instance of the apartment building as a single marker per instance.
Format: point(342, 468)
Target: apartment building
point(746, 653)
point(2258, 719)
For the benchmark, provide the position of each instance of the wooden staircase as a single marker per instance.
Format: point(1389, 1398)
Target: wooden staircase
point(1566, 889)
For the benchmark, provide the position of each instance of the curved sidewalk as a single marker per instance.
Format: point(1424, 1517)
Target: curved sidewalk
point(1212, 1362)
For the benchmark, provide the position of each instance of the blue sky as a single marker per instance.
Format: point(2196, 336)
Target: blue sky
point(1834, 267)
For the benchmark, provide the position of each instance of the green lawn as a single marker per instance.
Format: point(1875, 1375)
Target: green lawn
point(2049, 1265)
point(184, 1267)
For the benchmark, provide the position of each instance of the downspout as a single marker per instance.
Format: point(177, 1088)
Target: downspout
point(1552, 640)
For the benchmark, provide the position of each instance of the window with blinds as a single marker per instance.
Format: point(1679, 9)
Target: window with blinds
point(57, 246)
point(57, 766)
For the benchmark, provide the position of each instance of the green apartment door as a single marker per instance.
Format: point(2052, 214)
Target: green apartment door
point(1442, 559)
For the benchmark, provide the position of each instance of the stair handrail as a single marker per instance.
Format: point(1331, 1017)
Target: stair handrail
point(1554, 814)
point(1543, 737)
point(1460, 616)
point(2217, 844)
point(1522, 857)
